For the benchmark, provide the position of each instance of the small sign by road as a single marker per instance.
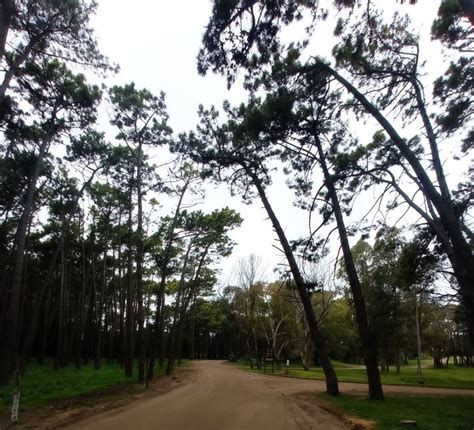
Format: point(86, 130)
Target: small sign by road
point(269, 358)
point(269, 354)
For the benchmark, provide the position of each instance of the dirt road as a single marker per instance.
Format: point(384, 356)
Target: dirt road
point(221, 396)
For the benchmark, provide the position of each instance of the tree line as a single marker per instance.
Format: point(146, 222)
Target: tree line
point(261, 314)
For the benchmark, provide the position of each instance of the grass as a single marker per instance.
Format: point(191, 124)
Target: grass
point(433, 413)
point(424, 362)
point(445, 377)
point(41, 384)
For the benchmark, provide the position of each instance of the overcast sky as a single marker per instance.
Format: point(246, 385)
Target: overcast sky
point(156, 42)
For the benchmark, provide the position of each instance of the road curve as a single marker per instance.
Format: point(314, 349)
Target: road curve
point(223, 397)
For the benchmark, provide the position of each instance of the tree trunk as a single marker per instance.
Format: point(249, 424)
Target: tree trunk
point(100, 306)
point(161, 333)
point(139, 261)
point(16, 397)
point(81, 310)
point(130, 322)
point(192, 330)
point(418, 339)
point(369, 348)
point(11, 335)
point(7, 10)
point(397, 335)
point(45, 329)
point(258, 360)
point(14, 67)
point(174, 327)
point(179, 343)
point(123, 346)
point(30, 335)
point(332, 386)
point(190, 296)
point(114, 321)
point(58, 360)
point(159, 339)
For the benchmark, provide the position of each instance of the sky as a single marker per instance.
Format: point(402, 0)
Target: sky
point(156, 42)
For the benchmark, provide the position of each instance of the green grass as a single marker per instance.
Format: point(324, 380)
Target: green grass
point(433, 413)
point(424, 362)
point(445, 377)
point(42, 384)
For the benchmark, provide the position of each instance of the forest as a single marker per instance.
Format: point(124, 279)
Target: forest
point(107, 257)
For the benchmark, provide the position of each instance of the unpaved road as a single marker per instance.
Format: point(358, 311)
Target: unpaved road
point(221, 396)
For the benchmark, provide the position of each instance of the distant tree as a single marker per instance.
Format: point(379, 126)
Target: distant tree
point(205, 234)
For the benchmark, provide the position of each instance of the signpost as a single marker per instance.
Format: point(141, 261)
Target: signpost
point(269, 357)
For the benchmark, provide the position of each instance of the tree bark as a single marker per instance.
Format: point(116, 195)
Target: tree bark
point(193, 291)
point(139, 261)
point(369, 348)
point(192, 331)
point(7, 10)
point(174, 327)
point(100, 306)
point(11, 326)
point(81, 311)
point(332, 385)
point(58, 360)
point(130, 321)
point(34, 316)
point(159, 339)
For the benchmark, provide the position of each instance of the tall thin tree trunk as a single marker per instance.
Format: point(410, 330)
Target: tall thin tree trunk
point(34, 316)
point(159, 339)
point(58, 360)
point(369, 348)
point(418, 340)
point(114, 319)
point(122, 341)
point(81, 311)
point(192, 330)
point(332, 385)
point(100, 307)
point(130, 311)
point(7, 9)
point(397, 335)
point(9, 351)
point(174, 327)
point(179, 342)
point(190, 296)
point(44, 329)
point(161, 335)
point(139, 260)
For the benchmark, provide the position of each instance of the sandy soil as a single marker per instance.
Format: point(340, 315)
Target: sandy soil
point(213, 395)
point(223, 397)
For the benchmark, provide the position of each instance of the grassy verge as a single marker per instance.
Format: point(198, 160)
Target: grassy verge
point(433, 413)
point(445, 377)
point(42, 384)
